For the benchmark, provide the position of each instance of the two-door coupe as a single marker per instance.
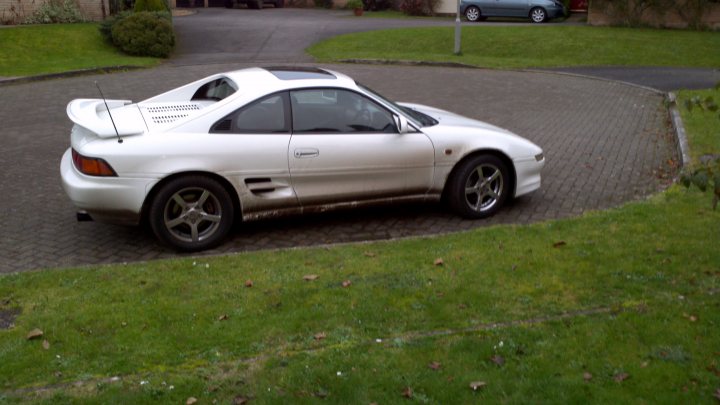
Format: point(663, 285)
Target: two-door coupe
point(265, 142)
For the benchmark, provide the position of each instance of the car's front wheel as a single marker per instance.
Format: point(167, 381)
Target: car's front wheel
point(473, 14)
point(538, 15)
point(191, 213)
point(479, 187)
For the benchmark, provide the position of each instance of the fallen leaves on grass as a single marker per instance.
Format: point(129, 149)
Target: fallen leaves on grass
point(46, 344)
point(587, 376)
point(407, 392)
point(191, 401)
point(346, 283)
point(478, 385)
point(310, 277)
point(248, 283)
point(691, 318)
point(620, 377)
point(223, 317)
point(498, 359)
point(439, 262)
point(435, 365)
point(369, 254)
point(716, 394)
point(559, 244)
point(320, 336)
point(240, 400)
point(34, 334)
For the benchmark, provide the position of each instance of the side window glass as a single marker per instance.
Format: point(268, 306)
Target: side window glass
point(267, 115)
point(336, 110)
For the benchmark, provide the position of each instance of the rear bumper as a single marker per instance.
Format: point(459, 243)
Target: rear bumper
point(106, 199)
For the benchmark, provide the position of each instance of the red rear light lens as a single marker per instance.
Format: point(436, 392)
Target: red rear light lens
point(92, 166)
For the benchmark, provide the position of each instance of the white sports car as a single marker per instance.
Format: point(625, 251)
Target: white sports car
point(265, 142)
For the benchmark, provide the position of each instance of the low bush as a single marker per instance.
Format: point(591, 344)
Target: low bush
point(419, 7)
point(56, 11)
point(145, 34)
point(150, 5)
point(379, 5)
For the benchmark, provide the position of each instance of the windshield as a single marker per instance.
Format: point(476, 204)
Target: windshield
point(416, 117)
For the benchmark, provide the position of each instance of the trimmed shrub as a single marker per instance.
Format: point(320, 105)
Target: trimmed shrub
point(150, 5)
point(324, 3)
point(105, 26)
point(56, 11)
point(145, 34)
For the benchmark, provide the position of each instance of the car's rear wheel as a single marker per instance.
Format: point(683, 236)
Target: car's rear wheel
point(479, 187)
point(191, 213)
point(473, 14)
point(279, 3)
point(538, 15)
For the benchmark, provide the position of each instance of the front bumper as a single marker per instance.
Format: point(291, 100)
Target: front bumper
point(106, 199)
point(527, 171)
point(556, 12)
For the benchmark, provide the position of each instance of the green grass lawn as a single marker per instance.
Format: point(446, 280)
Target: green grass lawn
point(53, 48)
point(620, 306)
point(527, 47)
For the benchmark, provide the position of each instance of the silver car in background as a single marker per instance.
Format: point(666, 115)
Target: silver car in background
point(537, 11)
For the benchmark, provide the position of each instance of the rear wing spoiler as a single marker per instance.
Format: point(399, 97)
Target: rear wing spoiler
point(92, 115)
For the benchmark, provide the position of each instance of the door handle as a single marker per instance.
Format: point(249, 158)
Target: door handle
point(306, 153)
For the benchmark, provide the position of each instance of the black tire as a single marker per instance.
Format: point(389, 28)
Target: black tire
point(471, 196)
point(473, 14)
point(279, 3)
point(538, 15)
point(201, 222)
point(229, 3)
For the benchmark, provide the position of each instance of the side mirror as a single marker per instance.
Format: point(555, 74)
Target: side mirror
point(401, 124)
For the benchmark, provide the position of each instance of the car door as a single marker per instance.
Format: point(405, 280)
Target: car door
point(256, 138)
point(512, 8)
point(346, 147)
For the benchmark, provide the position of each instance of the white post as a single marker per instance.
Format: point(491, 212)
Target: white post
point(457, 30)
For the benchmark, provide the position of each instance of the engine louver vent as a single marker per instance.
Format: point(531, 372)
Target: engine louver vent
point(171, 112)
point(166, 119)
point(173, 108)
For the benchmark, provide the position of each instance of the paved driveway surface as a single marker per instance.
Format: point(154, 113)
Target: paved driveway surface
point(606, 143)
point(217, 35)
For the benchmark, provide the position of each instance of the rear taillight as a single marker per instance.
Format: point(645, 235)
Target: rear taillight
point(92, 166)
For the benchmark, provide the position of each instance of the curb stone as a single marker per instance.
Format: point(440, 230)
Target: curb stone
point(72, 73)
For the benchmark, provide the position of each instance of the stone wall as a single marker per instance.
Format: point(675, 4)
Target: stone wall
point(15, 11)
point(598, 14)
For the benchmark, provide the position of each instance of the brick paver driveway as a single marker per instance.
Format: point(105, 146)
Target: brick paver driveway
point(606, 143)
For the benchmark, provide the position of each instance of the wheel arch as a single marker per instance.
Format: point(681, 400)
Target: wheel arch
point(224, 182)
point(494, 152)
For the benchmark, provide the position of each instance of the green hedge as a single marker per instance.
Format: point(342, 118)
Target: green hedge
point(145, 34)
